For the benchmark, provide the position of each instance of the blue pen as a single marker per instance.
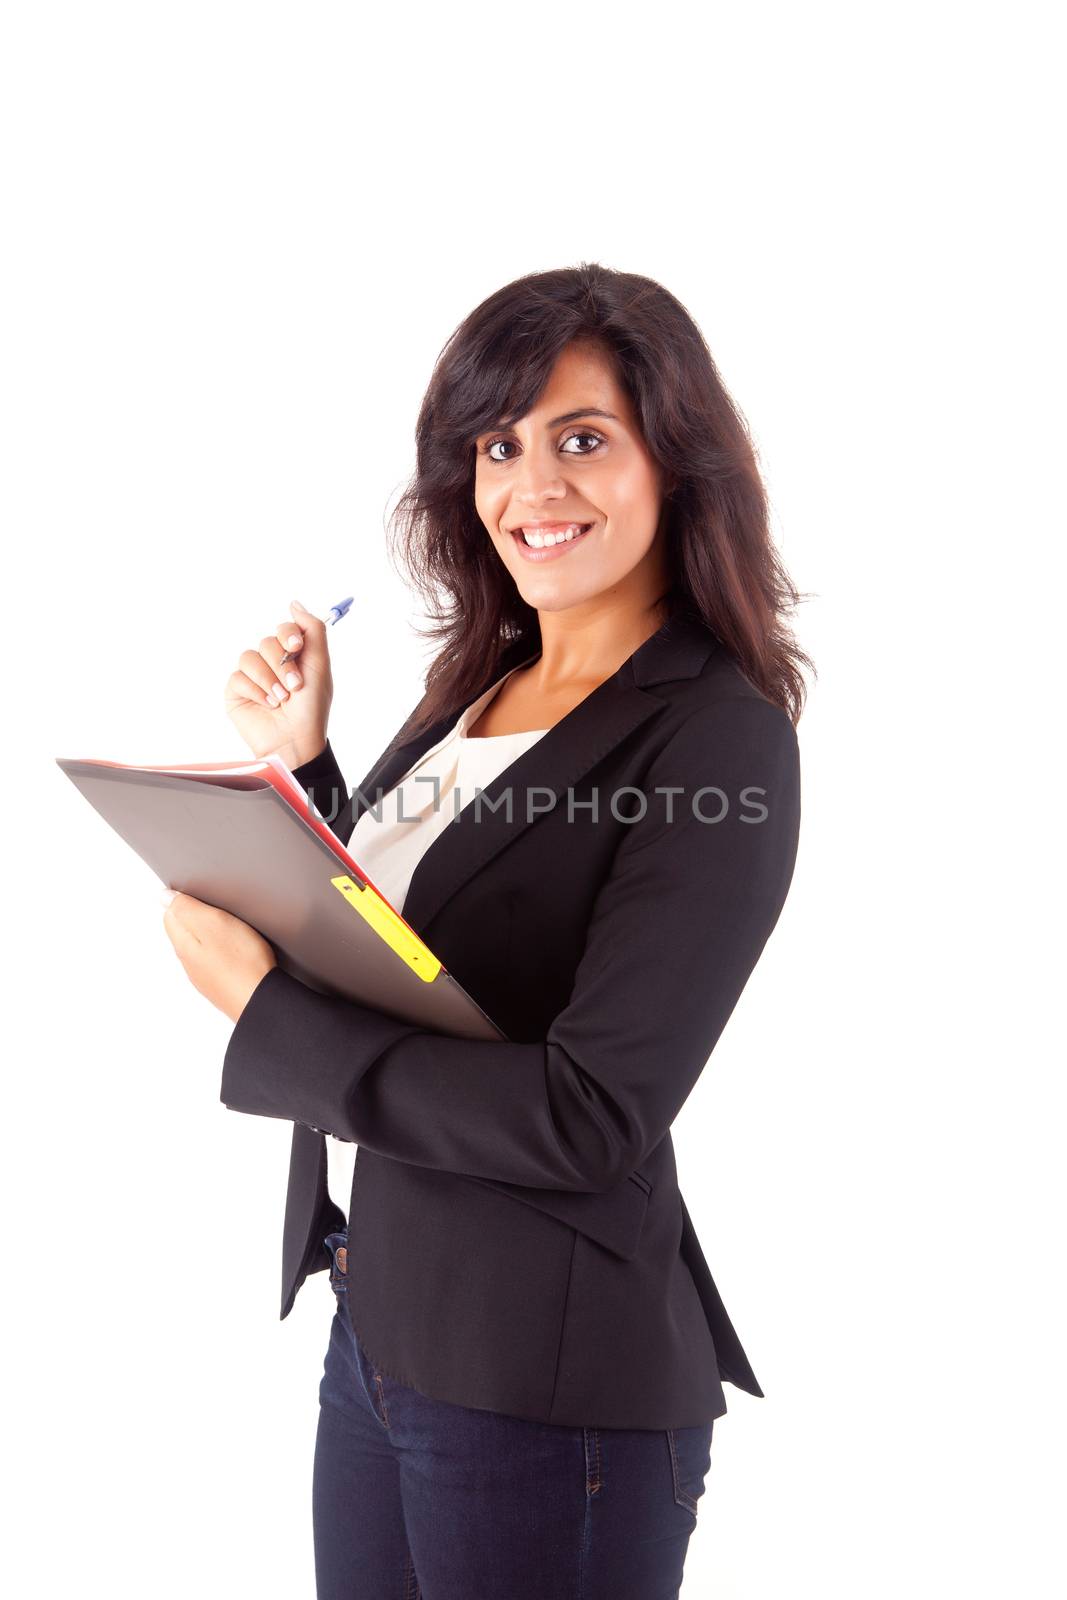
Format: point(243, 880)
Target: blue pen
point(334, 614)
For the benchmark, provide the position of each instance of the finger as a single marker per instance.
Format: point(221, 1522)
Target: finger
point(291, 639)
point(241, 690)
point(179, 933)
point(312, 627)
point(305, 617)
point(190, 909)
point(273, 653)
point(263, 671)
point(182, 914)
point(172, 907)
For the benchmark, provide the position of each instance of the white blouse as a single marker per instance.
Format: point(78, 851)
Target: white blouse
point(452, 773)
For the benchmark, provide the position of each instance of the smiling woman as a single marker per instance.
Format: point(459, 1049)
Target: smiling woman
point(517, 1278)
point(586, 398)
point(554, 485)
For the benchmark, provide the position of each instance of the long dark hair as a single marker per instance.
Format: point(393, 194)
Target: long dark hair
point(722, 563)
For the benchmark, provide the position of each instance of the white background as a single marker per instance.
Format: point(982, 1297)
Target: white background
point(236, 237)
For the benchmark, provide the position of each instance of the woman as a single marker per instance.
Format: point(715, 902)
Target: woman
point(528, 1351)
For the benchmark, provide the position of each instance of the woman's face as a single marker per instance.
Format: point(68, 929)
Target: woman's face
point(577, 460)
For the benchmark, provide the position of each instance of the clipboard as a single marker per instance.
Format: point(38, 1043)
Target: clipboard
point(244, 837)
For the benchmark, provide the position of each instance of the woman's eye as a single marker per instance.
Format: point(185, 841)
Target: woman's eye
point(594, 437)
point(495, 444)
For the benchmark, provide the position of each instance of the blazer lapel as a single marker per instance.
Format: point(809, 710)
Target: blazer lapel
point(555, 763)
point(391, 765)
point(558, 760)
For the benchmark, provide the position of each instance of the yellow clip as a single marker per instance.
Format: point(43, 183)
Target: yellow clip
point(390, 927)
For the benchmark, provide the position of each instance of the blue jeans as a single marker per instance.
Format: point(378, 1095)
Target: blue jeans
point(419, 1499)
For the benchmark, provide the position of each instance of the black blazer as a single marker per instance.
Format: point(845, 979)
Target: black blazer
point(517, 1240)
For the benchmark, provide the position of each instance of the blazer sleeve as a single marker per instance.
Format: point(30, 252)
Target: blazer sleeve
point(675, 931)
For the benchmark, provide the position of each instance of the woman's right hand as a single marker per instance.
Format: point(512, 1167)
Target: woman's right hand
point(275, 716)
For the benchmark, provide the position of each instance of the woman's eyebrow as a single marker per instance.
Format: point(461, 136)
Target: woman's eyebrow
point(570, 416)
point(586, 411)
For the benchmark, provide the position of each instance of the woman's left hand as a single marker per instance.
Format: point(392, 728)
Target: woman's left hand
point(223, 957)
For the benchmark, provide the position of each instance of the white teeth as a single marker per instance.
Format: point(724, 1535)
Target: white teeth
point(541, 541)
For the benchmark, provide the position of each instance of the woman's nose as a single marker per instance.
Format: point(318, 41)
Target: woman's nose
point(538, 480)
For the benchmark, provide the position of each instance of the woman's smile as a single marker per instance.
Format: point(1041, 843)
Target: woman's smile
point(548, 541)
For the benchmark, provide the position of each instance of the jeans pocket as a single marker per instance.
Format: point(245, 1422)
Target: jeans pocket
point(373, 1381)
point(690, 1455)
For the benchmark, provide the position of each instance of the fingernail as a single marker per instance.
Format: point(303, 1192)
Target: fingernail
point(295, 640)
point(167, 896)
point(278, 692)
point(292, 680)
